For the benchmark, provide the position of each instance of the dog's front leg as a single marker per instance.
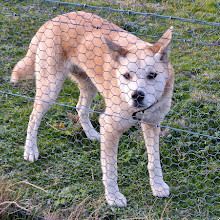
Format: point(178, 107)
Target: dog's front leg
point(110, 134)
point(151, 136)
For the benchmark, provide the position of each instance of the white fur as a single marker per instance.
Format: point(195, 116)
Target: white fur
point(152, 88)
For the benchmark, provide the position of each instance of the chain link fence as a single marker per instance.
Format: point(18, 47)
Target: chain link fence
point(66, 181)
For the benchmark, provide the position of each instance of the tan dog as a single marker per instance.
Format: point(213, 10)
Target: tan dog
point(134, 77)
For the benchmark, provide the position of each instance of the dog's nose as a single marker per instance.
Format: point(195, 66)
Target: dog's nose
point(138, 96)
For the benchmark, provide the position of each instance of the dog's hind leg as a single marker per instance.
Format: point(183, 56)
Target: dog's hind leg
point(49, 82)
point(151, 136)
point(85, 99)
point(87, 93)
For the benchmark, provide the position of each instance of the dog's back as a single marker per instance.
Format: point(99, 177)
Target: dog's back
point(72, 29)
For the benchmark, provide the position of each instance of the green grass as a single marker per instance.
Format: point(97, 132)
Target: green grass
point(67, 178)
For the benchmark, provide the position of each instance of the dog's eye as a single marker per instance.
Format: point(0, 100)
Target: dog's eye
point(127, 76)
point(152, 75)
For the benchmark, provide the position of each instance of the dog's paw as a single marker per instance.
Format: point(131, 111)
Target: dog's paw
point(31, 154)
point(160, 189)
point(117, 199)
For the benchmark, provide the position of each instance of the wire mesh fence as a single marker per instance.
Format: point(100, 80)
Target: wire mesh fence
point(109, 69)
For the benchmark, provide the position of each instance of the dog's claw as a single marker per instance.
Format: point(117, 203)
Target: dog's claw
point(117, 199)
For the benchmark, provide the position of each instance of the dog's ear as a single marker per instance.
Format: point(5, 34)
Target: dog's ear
point(115, 50)
point(161, 48)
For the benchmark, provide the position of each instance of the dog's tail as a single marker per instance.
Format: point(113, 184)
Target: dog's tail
point(24, 69)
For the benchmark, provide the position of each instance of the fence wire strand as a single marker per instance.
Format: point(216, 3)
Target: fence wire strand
point(91, 111)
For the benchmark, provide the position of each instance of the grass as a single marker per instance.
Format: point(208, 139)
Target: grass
point(66, 182)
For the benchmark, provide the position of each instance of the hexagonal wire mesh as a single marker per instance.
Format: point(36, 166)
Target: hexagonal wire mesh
point(133, 76)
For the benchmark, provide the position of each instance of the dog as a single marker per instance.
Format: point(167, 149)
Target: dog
point(134, 77)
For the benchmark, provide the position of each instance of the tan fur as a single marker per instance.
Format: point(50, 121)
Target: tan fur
point(90, 51)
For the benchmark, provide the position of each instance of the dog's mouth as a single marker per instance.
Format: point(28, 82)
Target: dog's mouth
point(142, 110)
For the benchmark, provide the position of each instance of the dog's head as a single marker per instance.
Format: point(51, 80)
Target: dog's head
point(142, 72)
